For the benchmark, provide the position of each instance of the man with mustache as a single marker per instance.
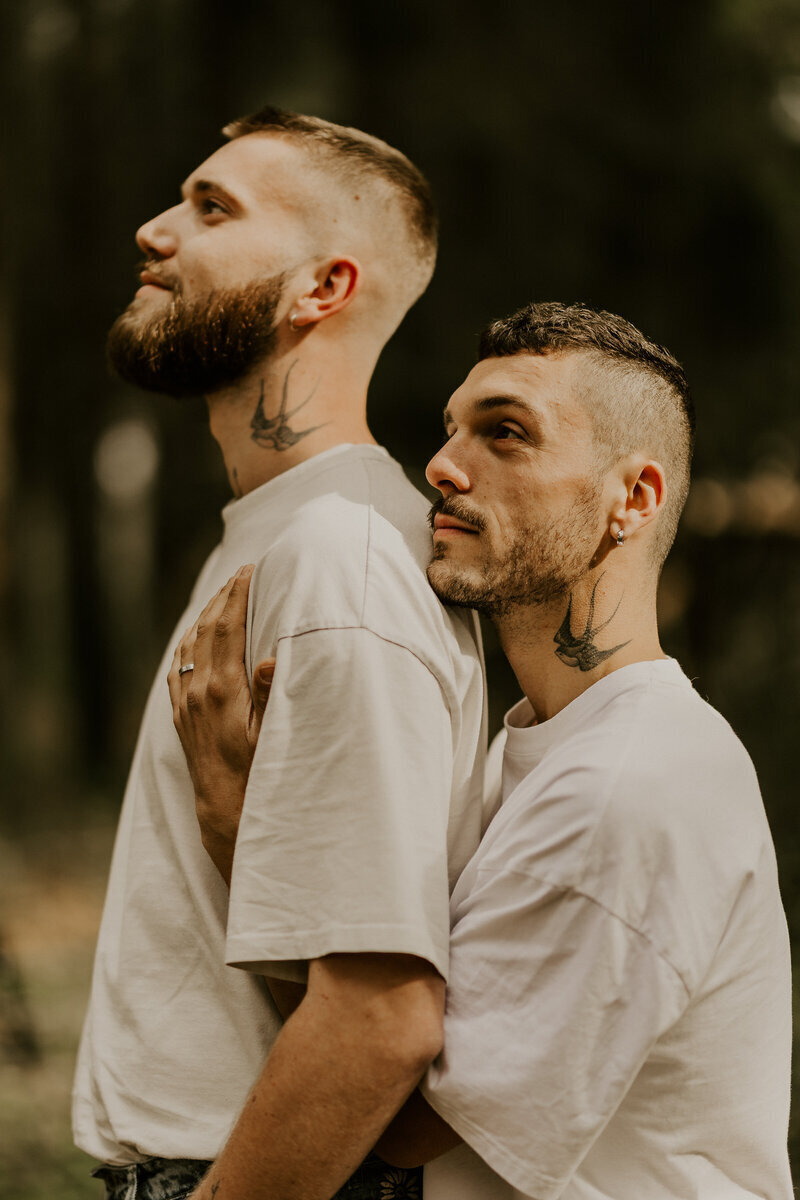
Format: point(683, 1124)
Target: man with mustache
point(618, 1020)
point(271, 288)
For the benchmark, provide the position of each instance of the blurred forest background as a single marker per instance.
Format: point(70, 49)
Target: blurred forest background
point(637, 156)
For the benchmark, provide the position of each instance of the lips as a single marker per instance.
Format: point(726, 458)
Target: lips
point(441, 521)
point(153, 280)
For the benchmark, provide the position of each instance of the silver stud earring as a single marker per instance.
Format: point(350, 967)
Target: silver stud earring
point(292, 320)
point(620, 537)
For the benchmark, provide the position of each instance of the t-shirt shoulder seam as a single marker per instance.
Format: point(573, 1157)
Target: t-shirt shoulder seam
point(298, 633)
point(577, 891)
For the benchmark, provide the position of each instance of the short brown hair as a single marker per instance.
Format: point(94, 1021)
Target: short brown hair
point(635, 390)
point(359, 155)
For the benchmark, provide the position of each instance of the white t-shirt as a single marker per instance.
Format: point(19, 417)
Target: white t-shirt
point(364, 796)
point(618, 1020)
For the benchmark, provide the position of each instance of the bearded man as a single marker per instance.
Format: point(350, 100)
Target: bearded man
point(271, 288)
point(618, 1020)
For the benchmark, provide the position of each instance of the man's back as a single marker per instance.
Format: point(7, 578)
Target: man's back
point(174, 1037)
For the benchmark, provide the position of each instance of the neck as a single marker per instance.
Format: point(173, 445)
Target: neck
point(560, 648)
point(306, 398)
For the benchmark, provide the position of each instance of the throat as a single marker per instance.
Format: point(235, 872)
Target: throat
point(559, 649)
point(280, 418)
point(580, 649)
point(277, 432)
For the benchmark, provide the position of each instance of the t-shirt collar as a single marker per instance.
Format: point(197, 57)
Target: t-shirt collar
point(529, 742)
point(239, 512)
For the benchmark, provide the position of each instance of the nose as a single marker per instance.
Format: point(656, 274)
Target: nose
point(156, 238)
point(444, 473)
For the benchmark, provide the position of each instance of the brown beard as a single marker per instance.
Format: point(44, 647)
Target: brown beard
point(197, 347)
point(542, 563)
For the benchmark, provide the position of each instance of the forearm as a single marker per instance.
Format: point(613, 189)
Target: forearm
point(330, 1086)
point(309, 1121)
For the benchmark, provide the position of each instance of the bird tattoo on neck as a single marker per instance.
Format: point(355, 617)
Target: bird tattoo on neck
point(275, 433)
point(578, 650)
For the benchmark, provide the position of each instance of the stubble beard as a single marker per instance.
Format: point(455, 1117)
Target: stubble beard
point(196, 347)
point(542, 562)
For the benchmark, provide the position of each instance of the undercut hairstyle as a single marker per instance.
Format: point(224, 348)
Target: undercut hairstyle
point(635, 391)
point(359, 159)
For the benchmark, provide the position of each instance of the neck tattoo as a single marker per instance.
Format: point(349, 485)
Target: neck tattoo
point(275, 433)
point(578, 650)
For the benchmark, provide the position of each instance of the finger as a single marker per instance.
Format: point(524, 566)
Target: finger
point(174, 683)
point(262, 684)
point(207, 625)
point(186, 650)
point(230, 634)
point(178, 677)
point(204, 628)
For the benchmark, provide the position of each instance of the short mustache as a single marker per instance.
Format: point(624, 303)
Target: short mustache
point(455, 506)
point(152, 265)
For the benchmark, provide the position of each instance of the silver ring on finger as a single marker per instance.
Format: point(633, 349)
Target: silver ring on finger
point(186, 667)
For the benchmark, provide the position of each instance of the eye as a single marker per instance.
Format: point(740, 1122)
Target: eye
point(209, 207)
point(506, 432)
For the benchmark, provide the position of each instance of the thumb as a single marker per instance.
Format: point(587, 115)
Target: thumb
point(262, 683)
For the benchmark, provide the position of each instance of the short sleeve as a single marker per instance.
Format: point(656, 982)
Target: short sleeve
point(342, 845)
point(553, 1004)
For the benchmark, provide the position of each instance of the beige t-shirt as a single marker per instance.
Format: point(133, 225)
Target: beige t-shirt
point(618, 1020)
point(363, 803)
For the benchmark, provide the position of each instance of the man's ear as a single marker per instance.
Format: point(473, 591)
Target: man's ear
point(644, 497)
point(335, 285)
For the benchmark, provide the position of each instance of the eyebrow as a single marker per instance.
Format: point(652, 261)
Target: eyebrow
point(490, 403)
point(203, 187)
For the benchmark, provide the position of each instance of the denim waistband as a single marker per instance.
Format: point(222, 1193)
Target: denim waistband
point(153, 1179)
point(176, 1178)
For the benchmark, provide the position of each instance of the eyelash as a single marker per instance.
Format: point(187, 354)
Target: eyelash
point(209, 207)
point(506, 429)
point(513, 434)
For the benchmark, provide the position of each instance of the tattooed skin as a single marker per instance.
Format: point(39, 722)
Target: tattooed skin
point(578, 650)
point(275, 433)
point(215, 1189)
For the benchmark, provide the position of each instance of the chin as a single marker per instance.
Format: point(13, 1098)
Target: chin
point(451, 586)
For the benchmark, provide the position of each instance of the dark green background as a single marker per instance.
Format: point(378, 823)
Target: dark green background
point(637, 156)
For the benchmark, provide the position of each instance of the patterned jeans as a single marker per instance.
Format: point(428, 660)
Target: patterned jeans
point(153, 1179)
point(175, 1179)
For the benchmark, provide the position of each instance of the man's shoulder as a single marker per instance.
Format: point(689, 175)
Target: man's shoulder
point(659, 756)
point(354, 552)
point(653, 771)
point(358, 503)
point(652, 812)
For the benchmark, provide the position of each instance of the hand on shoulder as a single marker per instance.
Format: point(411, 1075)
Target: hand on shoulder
point(217, 718)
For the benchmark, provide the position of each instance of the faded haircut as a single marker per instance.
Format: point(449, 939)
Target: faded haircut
point(359, 158)
point(635, 390)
